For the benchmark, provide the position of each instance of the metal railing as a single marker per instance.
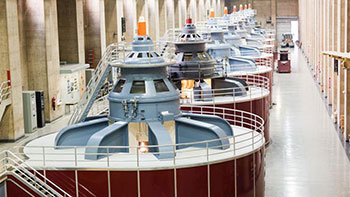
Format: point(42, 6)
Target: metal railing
point(264, 60)
point(177, 73)
point(100, 106)
point(249, 135)
point(5, 90)
point(117, 54)
point(121, 53)
point(257, 87)
point(93, 88)
point(13, 165)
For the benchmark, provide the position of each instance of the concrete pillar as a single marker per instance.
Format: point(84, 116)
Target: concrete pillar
point(162, 18)
point(120, 14)
point(67, 29)
point(213, 6)
point(80, 30)
point(328, 48)
point(130, 19)
point(23, 44)
point(153, 11)
point(207, 6)
point(40, 47)
point(170, 13)
point(11, 124)
point(102, 25)
point(111, 21)
point(142, 10)
point(201, 9)
point(92, 33)
point(324, 44)
point(52, 63)
point(193, 10)
point(341, 17)
point(347, 103)
point(182, 13)
point(335, 97)
point(177, 14)
point(346, 28)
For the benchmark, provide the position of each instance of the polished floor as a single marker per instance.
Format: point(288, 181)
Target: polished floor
point(306, 157)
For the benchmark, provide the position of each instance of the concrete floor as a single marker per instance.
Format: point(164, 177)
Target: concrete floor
point(306, 157)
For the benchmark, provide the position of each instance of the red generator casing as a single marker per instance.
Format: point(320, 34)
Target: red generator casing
point(283, 62)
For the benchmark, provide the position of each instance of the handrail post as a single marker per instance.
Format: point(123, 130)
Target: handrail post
point(137, 157)
point(207, 147)
point(44, 159)
point(174, 153)
point(6, 160)
point(234, 145)
point(75, 157)
point(107, 156)
point(35, 181)
point(253, 138)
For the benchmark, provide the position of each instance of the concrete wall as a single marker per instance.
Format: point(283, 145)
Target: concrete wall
point(130, 18)
point(6, 124)
point(287, 8)
point(11, 124)
point(38, 32)
point(92, 32)
point(4, 55)
point(111, 21)
point(324, 26)
point(67, 30)
point(268, 8)
point(23, 44)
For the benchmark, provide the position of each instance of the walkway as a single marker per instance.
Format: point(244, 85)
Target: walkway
point(306, 157)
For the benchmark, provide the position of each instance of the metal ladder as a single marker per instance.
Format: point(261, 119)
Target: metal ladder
point(94, 86)
point(5, 100)
point(38, 183)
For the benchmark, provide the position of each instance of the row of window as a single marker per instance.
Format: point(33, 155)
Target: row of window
point(144, 38)
point(139, 87)
point(191, 36)
point(201, 56)
point(219, 41)
point(143, 55)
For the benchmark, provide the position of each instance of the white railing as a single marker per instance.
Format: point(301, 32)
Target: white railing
point(249, 136)
point(178, 73)
point(264, 60)
point(257, 87)
point(121, 53)
point(100, 106)
point(5, 90)
point(171, 35)
point(13, 165)
point(92, 88)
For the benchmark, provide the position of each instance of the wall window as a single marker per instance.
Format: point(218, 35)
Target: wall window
point(119, 87)
point(138, 87)
point(187, 57)
point(160, 86)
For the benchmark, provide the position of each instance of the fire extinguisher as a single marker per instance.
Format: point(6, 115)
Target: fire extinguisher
point(53, 102)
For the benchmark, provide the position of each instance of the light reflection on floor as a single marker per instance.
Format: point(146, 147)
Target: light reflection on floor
point(305, 157)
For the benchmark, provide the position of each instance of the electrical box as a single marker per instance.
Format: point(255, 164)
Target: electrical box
point(123, 24)
point(40, 108)
point(29, 111)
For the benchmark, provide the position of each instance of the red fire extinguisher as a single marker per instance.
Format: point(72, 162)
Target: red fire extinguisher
point(53, 102)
